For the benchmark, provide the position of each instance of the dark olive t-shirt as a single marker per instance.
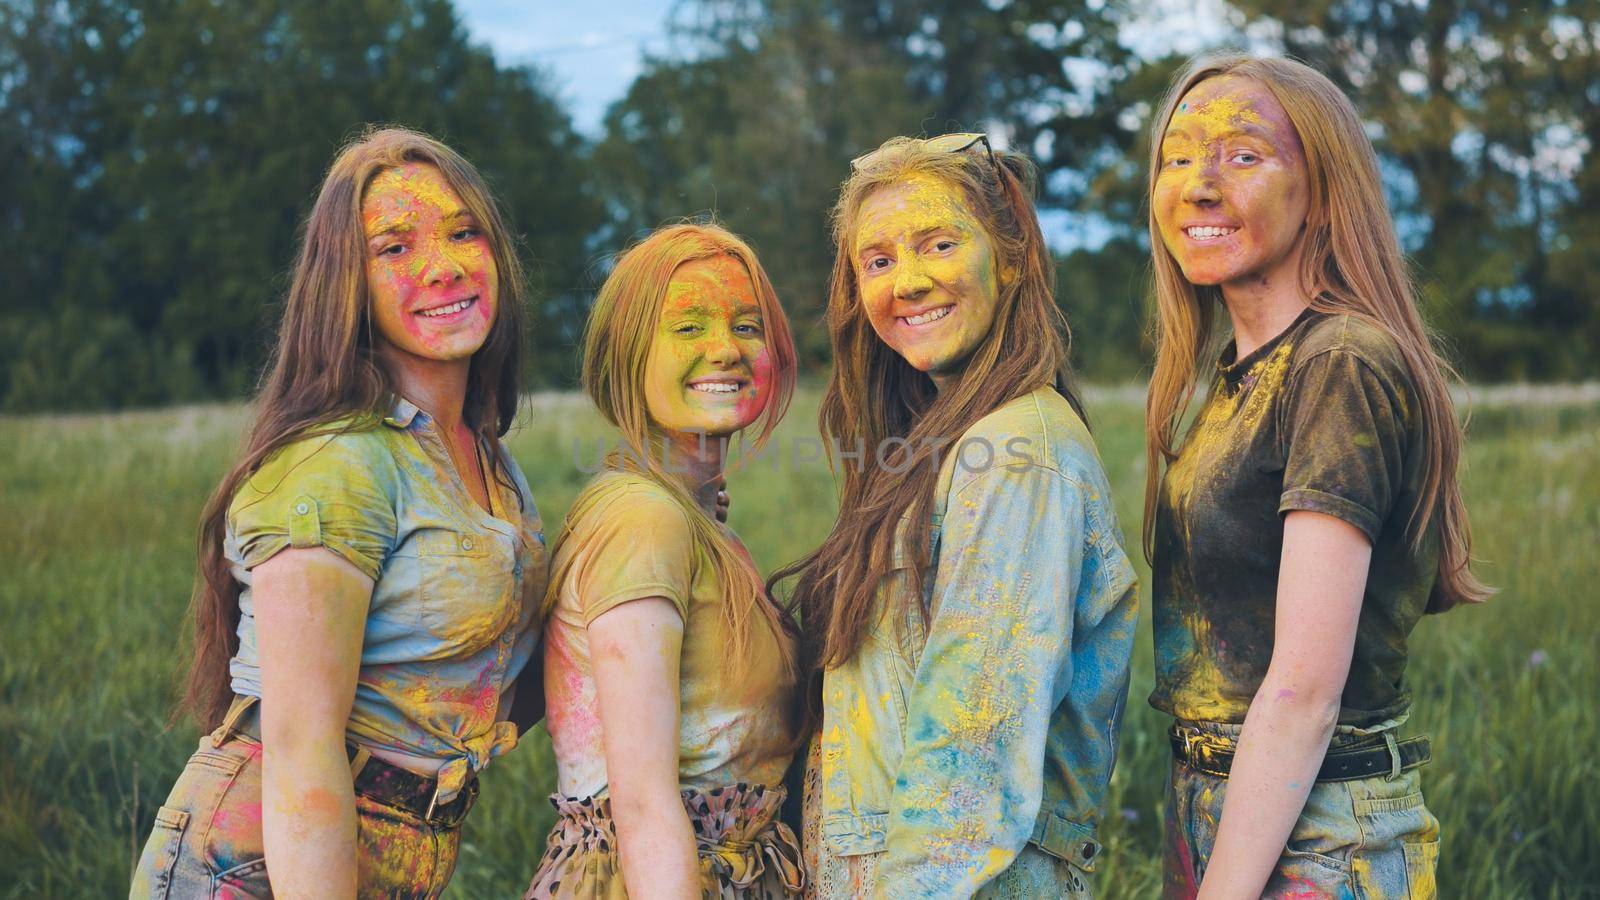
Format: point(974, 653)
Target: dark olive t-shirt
point(1323, 417)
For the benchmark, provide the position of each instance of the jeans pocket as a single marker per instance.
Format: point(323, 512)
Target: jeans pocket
point(153, 877)
point(247, 879)
point(1422, 864)
point(1399, 839)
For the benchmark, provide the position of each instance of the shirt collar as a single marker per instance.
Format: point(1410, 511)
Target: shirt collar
point(402, 413)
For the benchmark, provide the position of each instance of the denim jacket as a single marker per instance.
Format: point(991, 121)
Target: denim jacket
point(950, 749)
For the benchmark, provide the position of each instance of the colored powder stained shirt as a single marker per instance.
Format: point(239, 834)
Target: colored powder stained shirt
point(1323, 417)
point(973, 754)
point(627, 539)
point(456, 588)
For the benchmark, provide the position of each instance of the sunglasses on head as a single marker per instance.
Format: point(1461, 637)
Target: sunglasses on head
point(946, 143)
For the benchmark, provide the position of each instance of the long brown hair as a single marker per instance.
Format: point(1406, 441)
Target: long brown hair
point(325, 376)
point(616, 346)
point(874, 395)
point(1350, 264)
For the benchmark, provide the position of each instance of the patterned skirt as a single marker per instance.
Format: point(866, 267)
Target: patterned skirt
point(745, 851)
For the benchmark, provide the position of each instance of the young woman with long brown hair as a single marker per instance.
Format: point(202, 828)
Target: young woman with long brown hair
point(970, 617)
point(371, 566)
point(669, 673)
point(1311, 514)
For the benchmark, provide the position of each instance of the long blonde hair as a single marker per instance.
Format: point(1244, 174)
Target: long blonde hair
point(1350, 264)
point(616, 346)
point(325, 370)
point(875, 396)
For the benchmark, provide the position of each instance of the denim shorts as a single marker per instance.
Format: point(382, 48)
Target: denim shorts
point(1369, 838)
point(207, 838)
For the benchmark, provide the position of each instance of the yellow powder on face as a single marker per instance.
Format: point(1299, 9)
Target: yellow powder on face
point(417, 183)
point(1215, 107)
point(923, 201)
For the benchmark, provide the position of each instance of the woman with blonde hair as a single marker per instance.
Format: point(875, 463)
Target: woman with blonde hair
point(970, 618)
point(1311, 514)
point(371, 565)
point(669, 673)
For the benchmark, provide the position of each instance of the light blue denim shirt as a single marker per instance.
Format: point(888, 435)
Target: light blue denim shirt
point(456, 588)
point(977, 751)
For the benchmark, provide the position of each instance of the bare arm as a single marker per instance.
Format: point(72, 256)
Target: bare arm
point(311, 610)
point(635, 649)
point(1321, 579)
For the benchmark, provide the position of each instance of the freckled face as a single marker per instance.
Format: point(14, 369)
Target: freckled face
point(431, 274)
point(927, 272)
point(709, 369)
point(1232, 194)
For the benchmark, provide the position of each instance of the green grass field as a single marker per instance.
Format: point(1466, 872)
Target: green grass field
point(97, 517)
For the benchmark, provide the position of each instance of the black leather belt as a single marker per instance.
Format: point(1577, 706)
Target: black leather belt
point(380, 781)
point(1201, 752)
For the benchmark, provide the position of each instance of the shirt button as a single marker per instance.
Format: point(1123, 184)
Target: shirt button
point(466, 543)
point(301, 508)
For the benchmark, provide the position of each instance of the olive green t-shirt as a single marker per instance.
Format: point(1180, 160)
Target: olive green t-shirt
point(1323, 417)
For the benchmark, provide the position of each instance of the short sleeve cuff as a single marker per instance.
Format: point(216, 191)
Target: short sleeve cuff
point(304, 530)
point(267, 546)
point(1313, 500)
point(632, 592)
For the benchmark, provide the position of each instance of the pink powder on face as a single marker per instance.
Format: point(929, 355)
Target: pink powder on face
point(760, 393)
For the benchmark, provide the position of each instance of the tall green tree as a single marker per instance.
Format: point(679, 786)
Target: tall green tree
point(165, 152)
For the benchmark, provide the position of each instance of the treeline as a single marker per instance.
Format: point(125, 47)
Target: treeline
point(160, 155)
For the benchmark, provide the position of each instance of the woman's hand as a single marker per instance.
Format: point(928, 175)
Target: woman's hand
point(311, 612)
point(635, 649)
point(1322, 577)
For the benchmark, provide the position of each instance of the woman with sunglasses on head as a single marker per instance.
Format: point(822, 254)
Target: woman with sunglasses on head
point(371, 565)
point(971, 616)
point(669, 673)
point(1311, 515)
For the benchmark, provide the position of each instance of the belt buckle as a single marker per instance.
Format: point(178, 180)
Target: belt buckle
point(1192, 738)
point(433, 802)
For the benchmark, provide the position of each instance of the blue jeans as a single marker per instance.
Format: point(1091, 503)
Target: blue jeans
point(1371, 838)
point(207, 839)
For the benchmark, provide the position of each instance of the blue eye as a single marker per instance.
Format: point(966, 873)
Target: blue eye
point(392, 250)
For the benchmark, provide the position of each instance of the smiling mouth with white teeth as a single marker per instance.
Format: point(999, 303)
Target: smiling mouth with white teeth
point(716, 387)
point(932, 315)
point(455, 307)
point(1206, 232)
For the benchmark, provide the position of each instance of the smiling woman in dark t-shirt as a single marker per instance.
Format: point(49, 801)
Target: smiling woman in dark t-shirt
point(1310, 514)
